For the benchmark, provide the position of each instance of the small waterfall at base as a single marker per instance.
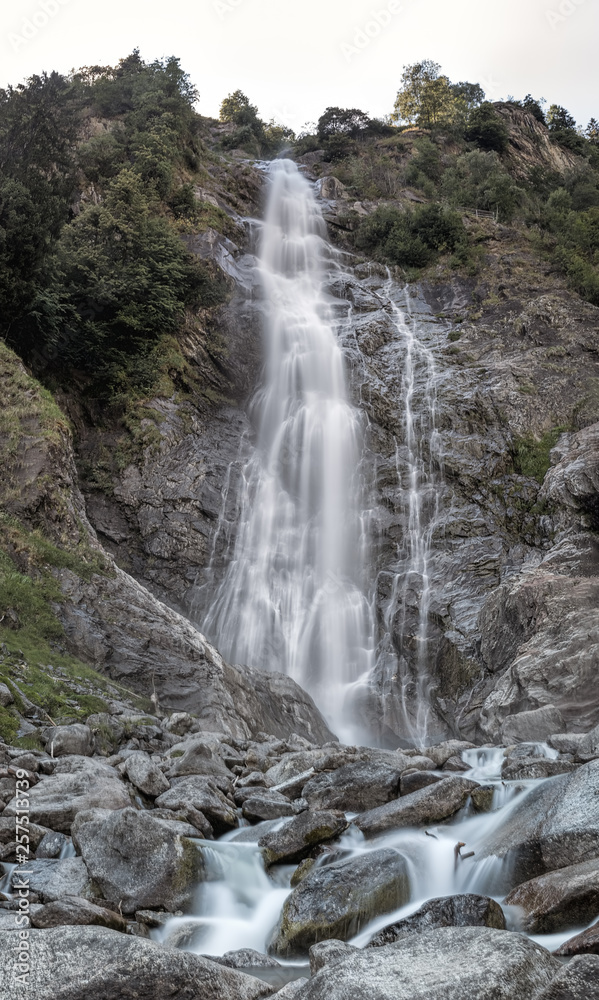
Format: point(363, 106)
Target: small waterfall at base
point(293, 597)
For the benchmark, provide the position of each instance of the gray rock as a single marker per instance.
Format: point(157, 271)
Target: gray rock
point(68, 963)
point(8, 832)
point(466, 910)
point(336, 900)
point(76, 783)
point(535, 725)
point(245, 958)
point(415, 780)
point(560, 899)
point(74, 739)
point(291, 990)
point(138, 861)
point(267, 804)
point(585, 943)
point(76, 910)
point(590, 742)
point(579, 980)
point(199, 758)
point(354, 787)
point(6, 696)
point(442, 752)
point(145, 775)
point(428, 805)
point(52, 878)
point(51, 845)
point(449, 963)
point(326, 952)
point(554, 824)
point(566, 742)
point(202, 795)
point(515, 769)
point(296, 839)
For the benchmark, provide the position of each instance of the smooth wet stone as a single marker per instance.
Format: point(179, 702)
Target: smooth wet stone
point(586, 943)
point(448, 963)
point(354, 787)
point(146, 775)
point(336, 900)
point(467, 910)
point(73, 963)
point(291, 990)
point(428, 805)
point(140, 862)
point(51, 845)
point(579, 980)
point(413, 781)
point(535, 725)
point(71, 910)
point(442, 752)
point(296, 839)
point(77, 783)
point(199, 758)
point(566, 742)
point(554, 824)
point(560, 899)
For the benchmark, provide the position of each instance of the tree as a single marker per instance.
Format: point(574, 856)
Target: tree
point(562, 128)
point(535, 107)
point(467, 97)
point(409, 98)
point(487, 129)
point(479, 180)
point(592, 132)
point(342, 121)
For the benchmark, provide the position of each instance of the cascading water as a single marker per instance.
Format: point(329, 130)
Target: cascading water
point(418, 462)
point(293, 596)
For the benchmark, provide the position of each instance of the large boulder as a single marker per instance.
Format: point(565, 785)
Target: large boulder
point(265, 803)
point(531, 726)
point(71, 910)
point(146, 775)
point(68, 963)
point(429, 805)
point(76, 783)
point(552, 825)
point(579, 980)
point(354, 787)
point(295, 840)
point(467, 910)
point(74, 739)
point(199, 758)
point(568, 897)
point(338, 899)
point(449, 963)
point(52, 879)
point(203, 795)
point(138, 861)
point(585, 943)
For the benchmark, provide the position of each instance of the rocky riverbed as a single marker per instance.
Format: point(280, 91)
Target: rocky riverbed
point(165, 857)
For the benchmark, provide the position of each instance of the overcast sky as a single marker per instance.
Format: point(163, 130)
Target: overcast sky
point(294, 59)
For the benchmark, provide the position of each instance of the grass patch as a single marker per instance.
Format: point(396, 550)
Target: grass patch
point(531, 455)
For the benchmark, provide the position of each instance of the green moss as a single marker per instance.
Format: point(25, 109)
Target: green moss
point(9, 724)
point(454, 335)
point(531, 455)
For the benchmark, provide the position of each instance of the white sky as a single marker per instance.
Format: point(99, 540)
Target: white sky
point(289, 57)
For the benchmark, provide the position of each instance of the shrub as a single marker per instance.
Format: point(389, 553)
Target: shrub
point(478, 180)
point(487, 129)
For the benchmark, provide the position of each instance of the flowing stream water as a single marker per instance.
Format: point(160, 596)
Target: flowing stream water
point(294, 597)
point(239, 905)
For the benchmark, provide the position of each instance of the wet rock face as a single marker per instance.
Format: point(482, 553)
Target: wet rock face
point(453, 911)
point(470, 963)
point(337, 899)
point(578, 981)
point(565, 898)
point(431, 804)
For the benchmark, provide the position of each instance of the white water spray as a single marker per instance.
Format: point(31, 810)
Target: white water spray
point(293, 596)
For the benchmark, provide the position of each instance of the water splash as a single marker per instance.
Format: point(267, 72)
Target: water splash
point(293, 597)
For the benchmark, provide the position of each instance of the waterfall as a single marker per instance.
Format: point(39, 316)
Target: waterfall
point(293, 597)
point(418, 463)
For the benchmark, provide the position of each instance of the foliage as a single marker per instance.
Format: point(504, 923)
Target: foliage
point(531, 455)
point(486, 128)
point(562, 129)
point(251, 133)
point(410, 239)
point(428, 99)
point(478, 180)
